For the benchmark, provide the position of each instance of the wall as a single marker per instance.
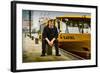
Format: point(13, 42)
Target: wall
point(5, 36)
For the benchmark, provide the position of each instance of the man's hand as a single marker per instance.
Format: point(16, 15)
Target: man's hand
point(52, 42)
point(49, 42)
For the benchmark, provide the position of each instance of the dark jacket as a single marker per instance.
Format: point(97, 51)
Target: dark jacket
point(50, 33)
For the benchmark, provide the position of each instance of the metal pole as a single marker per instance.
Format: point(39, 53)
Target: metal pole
point(30, 23)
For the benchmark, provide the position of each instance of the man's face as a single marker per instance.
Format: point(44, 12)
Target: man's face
point(51, 23)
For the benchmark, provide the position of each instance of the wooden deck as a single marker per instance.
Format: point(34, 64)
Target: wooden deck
point(32, 53)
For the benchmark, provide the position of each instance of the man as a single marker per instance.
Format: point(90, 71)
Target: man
point(49, 36)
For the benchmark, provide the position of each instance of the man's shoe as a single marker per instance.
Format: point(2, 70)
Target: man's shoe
point(58, 55)
point(43, 55)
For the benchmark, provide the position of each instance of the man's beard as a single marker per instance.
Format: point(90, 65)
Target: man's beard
point(51, 26)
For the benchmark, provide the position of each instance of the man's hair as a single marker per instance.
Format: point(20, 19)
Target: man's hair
point(51, 20)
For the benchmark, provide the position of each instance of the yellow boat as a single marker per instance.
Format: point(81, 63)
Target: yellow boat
point(76, 43)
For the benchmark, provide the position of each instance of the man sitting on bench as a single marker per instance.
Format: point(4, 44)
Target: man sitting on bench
point(49, 37)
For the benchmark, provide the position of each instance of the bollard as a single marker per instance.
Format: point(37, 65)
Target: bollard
point(49, 49)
